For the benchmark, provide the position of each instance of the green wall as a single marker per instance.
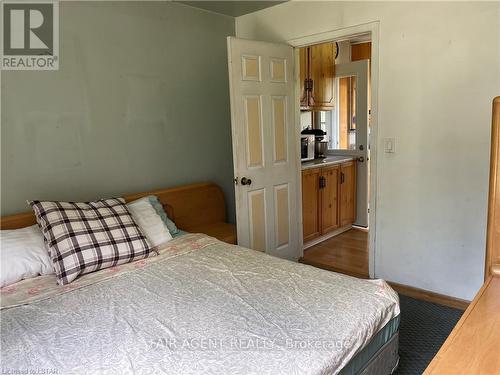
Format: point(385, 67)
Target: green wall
point(141, 101)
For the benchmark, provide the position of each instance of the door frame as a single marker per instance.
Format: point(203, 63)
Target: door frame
point(372, 28)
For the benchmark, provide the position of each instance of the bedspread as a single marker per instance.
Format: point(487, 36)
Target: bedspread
point(200, 307)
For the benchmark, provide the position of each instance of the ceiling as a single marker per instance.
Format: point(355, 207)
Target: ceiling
point(232, 8)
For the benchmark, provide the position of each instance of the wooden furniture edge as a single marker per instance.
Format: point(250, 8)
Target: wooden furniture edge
point(453, 335)
point(25, 219)
point(429, 296)
point(492, 258)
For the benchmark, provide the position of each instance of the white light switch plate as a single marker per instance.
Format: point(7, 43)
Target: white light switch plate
point(390, 145)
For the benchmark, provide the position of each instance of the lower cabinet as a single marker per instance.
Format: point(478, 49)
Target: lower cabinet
point(347, 186)
point(310, 203)
point(328, 199)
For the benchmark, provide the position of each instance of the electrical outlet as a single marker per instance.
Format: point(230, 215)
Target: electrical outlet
point(389, 145)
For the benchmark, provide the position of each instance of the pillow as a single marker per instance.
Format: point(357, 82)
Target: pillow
point(149, 221)
point(23, 255)
point(85, 237)
point(160, 211)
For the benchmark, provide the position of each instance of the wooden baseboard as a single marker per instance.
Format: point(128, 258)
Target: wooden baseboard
point(428, 296)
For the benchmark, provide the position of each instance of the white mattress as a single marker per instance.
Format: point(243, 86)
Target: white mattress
point(201, 307)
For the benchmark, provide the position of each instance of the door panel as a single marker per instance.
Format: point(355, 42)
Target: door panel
point(257, 204)
point(278, 70)
point(282, 228)
point(329, 199)
point(250, 68)
point(280, 130)
point(253, 124)
point(264, 146)
point(347, 193)
point(310, 204)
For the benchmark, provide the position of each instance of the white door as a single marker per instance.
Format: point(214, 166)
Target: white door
point(265, 155)
point(353, 77)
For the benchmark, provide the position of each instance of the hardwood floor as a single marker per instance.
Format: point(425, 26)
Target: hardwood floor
point(346, 253)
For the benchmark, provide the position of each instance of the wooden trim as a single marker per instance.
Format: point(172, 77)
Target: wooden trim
point(429, 296)
point(492, 259)
point(25, 219)
point(190, 206)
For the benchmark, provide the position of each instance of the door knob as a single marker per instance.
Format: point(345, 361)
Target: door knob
point(246, 181)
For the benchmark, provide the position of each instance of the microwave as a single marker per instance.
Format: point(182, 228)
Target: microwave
point(307, 147)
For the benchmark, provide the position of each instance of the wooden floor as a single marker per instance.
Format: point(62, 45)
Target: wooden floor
point(346, 253)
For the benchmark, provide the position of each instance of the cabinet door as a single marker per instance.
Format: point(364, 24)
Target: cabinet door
point(329, 199)
point(304, 75)
point(322, 72)
point(347, 193)
point(310, 203)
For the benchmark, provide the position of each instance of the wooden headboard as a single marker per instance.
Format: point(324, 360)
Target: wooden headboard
point(189, 206)
point(493, 230)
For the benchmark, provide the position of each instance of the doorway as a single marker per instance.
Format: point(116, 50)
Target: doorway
point(351, 132)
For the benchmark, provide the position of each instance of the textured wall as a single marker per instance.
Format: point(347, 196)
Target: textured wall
point(141, 101)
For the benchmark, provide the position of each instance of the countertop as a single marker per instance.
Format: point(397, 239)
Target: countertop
point(329, 160)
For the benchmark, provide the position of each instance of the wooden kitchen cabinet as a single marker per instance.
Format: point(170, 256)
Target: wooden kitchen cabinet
point(329, 194)
point(328, 199)
point(304, 76)
point(322, 73)
point(317, 74)
point(310, 203)
point(347, 209)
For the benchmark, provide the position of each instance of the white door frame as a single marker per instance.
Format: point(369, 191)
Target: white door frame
point(337, 35)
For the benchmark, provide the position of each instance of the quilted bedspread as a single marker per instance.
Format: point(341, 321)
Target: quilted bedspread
point(200, 307)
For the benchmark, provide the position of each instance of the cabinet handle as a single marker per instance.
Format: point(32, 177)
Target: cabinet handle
point(342, 177)
point(309, 84)
point(322, 182)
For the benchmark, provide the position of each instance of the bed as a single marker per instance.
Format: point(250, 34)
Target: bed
point(201, 306)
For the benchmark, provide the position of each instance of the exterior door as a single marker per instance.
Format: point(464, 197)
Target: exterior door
point(265, 146)
point(353, 138)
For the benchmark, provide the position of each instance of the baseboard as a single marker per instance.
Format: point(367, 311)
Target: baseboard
point(325, 237)
point(428, 296)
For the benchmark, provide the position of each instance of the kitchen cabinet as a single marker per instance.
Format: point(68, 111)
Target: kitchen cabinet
point(347, 207)
point(317, 74)
point(328, 199)
point(304, 77)
point(310, 203)
point(329, 194)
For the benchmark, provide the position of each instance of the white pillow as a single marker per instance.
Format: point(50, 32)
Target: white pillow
point(150, 223)
point(23, 255)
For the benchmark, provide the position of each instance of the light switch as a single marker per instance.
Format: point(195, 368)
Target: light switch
point(389, 145)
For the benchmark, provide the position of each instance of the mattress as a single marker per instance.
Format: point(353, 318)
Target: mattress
point(362, 358)
point(201, 306)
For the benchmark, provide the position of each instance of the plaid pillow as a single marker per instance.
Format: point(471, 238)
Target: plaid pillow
point(86, 237)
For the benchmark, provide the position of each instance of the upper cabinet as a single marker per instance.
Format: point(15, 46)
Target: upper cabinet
point(317, 74)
